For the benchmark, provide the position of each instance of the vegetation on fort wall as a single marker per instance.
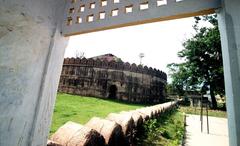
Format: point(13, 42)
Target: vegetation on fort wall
point(166, 130)
point(81, 109)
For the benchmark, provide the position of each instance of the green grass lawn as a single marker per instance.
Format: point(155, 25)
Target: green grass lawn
point(81, 109)
point(197, 111)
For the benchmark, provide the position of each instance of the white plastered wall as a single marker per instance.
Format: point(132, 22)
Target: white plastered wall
point(31, 55)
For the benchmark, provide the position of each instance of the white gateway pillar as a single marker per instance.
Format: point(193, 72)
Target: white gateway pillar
point(229, 23)
point(31, 56)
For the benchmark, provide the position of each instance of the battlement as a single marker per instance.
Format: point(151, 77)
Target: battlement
point(123, 66)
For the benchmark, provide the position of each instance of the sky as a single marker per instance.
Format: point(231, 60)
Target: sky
point(159, 41)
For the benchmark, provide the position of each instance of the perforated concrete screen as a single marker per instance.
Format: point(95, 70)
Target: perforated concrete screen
point(84, 16)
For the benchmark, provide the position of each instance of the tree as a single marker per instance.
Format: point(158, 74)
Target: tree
point(180, 77)
point(203, 64)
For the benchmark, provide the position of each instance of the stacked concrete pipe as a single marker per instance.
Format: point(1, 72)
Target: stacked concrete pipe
point(117, 129)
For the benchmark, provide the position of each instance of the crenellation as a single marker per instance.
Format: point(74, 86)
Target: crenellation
point(134, 67)
point(127, 66)
point(112, 79)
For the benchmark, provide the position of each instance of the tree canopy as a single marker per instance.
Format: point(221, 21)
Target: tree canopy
point(203, 66)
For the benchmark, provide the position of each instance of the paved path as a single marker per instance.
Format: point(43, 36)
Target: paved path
point(218, 131)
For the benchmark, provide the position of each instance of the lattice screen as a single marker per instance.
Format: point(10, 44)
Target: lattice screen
point(84, 16)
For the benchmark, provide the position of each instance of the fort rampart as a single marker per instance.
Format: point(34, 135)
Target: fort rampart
point(115, 80)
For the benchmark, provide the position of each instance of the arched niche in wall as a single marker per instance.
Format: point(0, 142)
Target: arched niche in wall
point(134, 67)
point(145, 69)
point(90, 62)
point(84, 61)
point(66, 60)
point(140, 69)
point(78, 60)
point(120, 65)
point(105, 64)
point(127, 66)
point(72, 61)
point(112, 65)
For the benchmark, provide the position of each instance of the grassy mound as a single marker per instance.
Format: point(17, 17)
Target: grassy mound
point(197, 111)
point(81, 109)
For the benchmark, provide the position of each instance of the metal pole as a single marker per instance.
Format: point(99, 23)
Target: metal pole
point(195, 109)
point(201, 116)
point(207, 118)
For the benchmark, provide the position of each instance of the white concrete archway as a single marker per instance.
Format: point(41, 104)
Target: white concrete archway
point(31, 54)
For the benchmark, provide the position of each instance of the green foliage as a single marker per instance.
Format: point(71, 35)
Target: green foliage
point(181, 78)
point(203, 64)
point(167, 130)
point(81, 109)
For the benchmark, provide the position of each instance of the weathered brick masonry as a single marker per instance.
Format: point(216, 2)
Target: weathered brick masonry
point(116, 80)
